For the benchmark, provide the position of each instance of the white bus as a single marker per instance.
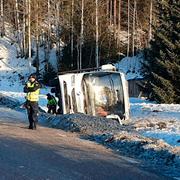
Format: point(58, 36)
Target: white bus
point(102, 92)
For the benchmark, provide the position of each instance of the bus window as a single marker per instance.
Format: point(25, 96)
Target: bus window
point(74, 103)
point(104, 93)
point(66, 97)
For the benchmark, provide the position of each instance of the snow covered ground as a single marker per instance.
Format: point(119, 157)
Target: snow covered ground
point(159, 121)
point(143, 112)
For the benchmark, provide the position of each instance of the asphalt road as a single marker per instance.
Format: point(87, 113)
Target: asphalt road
point(50, 154)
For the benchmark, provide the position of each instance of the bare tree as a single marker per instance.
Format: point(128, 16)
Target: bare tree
point(150, 20)
point(97, 35)
point(2, 19)
point(128, 29)
point(18, 31)
point(29, 34)
point(24, 19)
point(37, 36)
point(119, 22)
point(72, 30)
point(111, 11)
point(101, 28)
point(134, 28)
point(115, 12)
point(82, 35)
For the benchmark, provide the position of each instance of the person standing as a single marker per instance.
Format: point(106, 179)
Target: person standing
point(52, 104)
point(32, 90)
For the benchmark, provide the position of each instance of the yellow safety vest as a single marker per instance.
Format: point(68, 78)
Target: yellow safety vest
point(32, 96)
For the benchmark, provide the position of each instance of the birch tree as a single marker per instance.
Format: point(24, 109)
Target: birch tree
point(2, 19)
point(81, 36)
point(150, 20)
point(97, 35)
point(134, 28)
point(72, 30)
point(29, 34)
point(119, 22)
point(37, 36)
point(128, 29)
point(17, 31)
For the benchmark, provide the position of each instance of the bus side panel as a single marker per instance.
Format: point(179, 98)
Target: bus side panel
point(126, 97)
point(62, 95)
point(73, 84)
point(79, 93)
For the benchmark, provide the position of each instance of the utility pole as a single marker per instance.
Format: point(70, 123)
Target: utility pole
point(97, 35)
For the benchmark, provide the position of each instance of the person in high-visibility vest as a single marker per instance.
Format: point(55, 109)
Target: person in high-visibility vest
point(52, 104)
point(32, 90)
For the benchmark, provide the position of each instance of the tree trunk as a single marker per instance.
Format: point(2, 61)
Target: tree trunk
point(37, 38)
point(111, 11)
point(48, 35)
point(115, 13)
point(107, 10)
point(29, 34)
point(72, 32)
point(18, 32)
point(2, 19)
point(24, 29)
point(128, 30)
point(119, 24)
point(134, 28)
point(97, 35)
point(150, 21)
point(82, 35)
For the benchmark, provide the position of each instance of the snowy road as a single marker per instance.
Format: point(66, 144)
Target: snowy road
point(55, 154)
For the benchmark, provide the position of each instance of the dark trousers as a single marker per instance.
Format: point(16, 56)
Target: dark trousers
point(52, 109)
point(32, 110)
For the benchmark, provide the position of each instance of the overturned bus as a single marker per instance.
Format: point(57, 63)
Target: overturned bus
point(102, 92)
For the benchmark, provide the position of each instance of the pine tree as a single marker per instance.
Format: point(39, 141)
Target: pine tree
point(163, 58)
point(49, 74)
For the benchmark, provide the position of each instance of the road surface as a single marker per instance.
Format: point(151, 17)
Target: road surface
point(50, 154)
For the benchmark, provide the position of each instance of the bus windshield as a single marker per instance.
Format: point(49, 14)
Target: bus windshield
point(103, 94)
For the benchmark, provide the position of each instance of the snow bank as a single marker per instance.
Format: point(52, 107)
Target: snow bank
point(8, 101)
point(82, 123)
point(124, 139)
